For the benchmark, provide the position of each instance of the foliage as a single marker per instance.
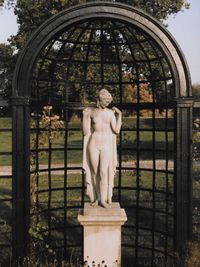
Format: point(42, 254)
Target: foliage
point(196, 139)
point(7, 60)
point(49, 126)
point(7, 3)
point(32, 13)
point(193, 255)
point(196, 89)
point(157, 8)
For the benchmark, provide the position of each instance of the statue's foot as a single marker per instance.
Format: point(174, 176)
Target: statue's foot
point(104, 205)
point(109, 201)
point(94, 204)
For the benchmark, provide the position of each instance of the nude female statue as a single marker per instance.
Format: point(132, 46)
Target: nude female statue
point(100, 127)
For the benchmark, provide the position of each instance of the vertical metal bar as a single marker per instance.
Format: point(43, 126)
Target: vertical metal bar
point(21, 179)
point(37, 155)
point(65, 173)
point(167, 152)
point(73, 48)
point(87, 53)
point(183, 177)
point(49, 186)
point(82, 206)
point(66, 115)
point(166, 183)
point(50, 90)
point(153, 149)
point(153, 184)
point(120, 135)
point(138, 151)
point(102, 55)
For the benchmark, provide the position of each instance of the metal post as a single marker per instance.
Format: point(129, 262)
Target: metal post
point(183, 179)
point(21, 179)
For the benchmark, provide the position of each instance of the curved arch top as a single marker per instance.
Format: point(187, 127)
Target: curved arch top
point(108, 10)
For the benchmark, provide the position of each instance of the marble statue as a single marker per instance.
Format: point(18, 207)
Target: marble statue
point(100, 127)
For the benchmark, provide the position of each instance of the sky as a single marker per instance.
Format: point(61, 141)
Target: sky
point(185, 27)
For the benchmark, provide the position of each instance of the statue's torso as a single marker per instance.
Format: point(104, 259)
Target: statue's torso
point(101, 127)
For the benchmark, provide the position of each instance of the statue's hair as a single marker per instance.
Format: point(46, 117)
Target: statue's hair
point(103, 93)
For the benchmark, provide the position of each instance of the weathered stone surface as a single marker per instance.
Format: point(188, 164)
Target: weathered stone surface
point(102, 234)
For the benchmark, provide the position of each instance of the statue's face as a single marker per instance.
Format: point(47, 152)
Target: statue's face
point(104, 102)
point(105, 98)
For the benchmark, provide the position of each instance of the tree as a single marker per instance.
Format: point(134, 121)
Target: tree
point(196, 89)
point(32, 13)
point(6, 69)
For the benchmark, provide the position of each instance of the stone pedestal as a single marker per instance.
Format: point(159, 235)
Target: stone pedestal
point(102, 234)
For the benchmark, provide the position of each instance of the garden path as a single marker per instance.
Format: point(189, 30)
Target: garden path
point(146, 164)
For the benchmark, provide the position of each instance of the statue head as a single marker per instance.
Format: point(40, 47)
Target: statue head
point(104, 98)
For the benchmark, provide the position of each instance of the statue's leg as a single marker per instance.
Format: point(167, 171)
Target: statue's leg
point(94, 162)
point(104, 163)
point(110, 193)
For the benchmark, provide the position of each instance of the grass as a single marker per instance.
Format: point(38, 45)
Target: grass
point(5, 140)
point(74, 141)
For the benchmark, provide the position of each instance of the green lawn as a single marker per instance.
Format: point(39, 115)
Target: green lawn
point(5, 140)
point(74, 141)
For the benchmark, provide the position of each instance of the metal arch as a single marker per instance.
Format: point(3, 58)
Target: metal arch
point(87, 11)
point(21, 92)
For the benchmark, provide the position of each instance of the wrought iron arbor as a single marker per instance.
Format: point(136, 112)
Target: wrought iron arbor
point(65, 63)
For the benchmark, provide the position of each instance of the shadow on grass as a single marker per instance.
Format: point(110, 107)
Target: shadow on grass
point(145, 233)
point(5, 231)
point(56, 237)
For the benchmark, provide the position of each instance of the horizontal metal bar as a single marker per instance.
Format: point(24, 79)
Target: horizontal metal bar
point(147, 229)
point(59, 228)
point(141, 149)
point(146, 209)
point(55, 149)
point(5, 245)
point(6, 153)
point(149, 248)
point(145, 190)
point(58, 189)
point(125, 106)
point(123, 129)
point(5, 129)
point(20, 100)
point(56, 169)
point(89, 82)
point(59, 208)
point(98, 43)
point(6, 199)
point(164, 171)
point(114, 62)
point(147, 130)
point(5, 176)
point(145, 169)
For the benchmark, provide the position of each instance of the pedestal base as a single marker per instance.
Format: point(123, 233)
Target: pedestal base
point(102, 234)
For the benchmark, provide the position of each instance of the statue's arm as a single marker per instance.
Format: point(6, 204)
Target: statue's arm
point(86, 121)
point(116, 121)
